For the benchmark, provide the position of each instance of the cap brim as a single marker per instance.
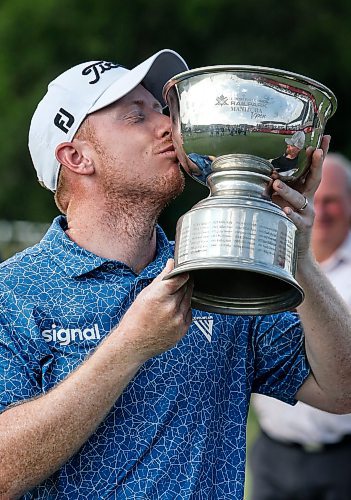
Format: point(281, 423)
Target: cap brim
point(154, 73)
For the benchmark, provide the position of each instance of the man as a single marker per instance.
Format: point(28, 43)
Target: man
point(304, 452)
point(287, 163)
point(103, 395)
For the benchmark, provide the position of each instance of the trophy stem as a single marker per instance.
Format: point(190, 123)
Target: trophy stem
point(240, 174)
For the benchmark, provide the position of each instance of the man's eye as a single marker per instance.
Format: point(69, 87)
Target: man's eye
point(137, 117)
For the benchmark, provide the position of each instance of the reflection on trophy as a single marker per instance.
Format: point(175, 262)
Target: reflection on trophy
point(232, 127)
point(287, 164)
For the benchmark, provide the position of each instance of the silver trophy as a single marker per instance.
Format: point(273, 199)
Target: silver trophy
point(232, 127)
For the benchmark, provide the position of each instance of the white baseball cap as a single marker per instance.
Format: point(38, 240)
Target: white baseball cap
point(83, 89)
point(297, 140)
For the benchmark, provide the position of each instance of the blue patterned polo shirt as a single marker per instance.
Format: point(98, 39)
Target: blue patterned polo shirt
point(178, 429)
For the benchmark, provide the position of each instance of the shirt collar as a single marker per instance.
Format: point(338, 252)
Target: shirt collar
point(164, 251)
point(76, 261)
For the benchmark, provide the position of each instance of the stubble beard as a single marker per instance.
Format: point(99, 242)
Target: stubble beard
point(134, 206)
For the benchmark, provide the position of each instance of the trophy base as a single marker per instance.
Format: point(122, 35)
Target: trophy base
point(235, 289)
point(241, 255)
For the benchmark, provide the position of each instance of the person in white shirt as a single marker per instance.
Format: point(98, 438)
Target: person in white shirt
point(302, 452)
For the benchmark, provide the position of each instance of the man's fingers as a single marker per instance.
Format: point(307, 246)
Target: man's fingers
point(294, 198)
point(184, 305)
point(188, 291)
point(166, 270)
point(314, 176)
point(174, 283)
point(316, 156)
point(324, 147)
point(325, 144)
point(292, 195)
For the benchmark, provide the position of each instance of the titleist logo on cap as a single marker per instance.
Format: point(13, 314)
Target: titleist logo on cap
point(98, 68)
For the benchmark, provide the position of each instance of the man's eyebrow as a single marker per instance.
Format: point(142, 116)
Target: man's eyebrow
point(140, 102)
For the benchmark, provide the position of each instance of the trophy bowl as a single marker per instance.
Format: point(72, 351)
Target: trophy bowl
point(232, 127)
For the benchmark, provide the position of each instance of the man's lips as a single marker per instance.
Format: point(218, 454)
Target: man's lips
point(167, 150)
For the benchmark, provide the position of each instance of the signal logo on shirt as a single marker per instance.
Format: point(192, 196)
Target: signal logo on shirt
point(65, 336)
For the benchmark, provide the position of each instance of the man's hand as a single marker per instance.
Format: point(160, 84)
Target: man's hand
point(293, 199)
point(160, 316)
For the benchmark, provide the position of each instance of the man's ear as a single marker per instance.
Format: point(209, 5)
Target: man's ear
point(74, 156)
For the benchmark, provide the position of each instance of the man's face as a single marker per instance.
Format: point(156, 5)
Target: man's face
point(292, 151)
point(332, 205)
point(134, 153)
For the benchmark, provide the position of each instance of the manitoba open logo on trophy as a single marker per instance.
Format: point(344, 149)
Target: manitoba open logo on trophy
point(232, 127)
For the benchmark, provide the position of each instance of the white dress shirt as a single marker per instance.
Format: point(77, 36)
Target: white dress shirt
point(302, 423)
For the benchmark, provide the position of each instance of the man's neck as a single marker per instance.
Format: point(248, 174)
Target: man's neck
point(128, 239)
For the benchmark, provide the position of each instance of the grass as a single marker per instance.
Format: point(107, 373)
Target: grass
point(251, 433)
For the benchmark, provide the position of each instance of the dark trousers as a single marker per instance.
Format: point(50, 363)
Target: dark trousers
point(288, 472)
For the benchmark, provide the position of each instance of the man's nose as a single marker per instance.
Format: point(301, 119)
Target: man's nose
point(164, 125)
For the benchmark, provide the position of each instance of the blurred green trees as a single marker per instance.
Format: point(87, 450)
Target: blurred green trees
point(42, 38)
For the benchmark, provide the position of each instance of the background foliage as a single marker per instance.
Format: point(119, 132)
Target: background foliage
point(41, 38)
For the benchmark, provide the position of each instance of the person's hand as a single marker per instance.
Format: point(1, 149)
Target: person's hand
point(297, 201)
point(160, 315)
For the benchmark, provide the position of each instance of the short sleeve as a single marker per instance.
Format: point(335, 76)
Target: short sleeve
point(281, 364)
point(18, 368)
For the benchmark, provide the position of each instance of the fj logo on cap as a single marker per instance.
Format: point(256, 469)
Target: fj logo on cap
point(64, 120)
point(98, 69)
